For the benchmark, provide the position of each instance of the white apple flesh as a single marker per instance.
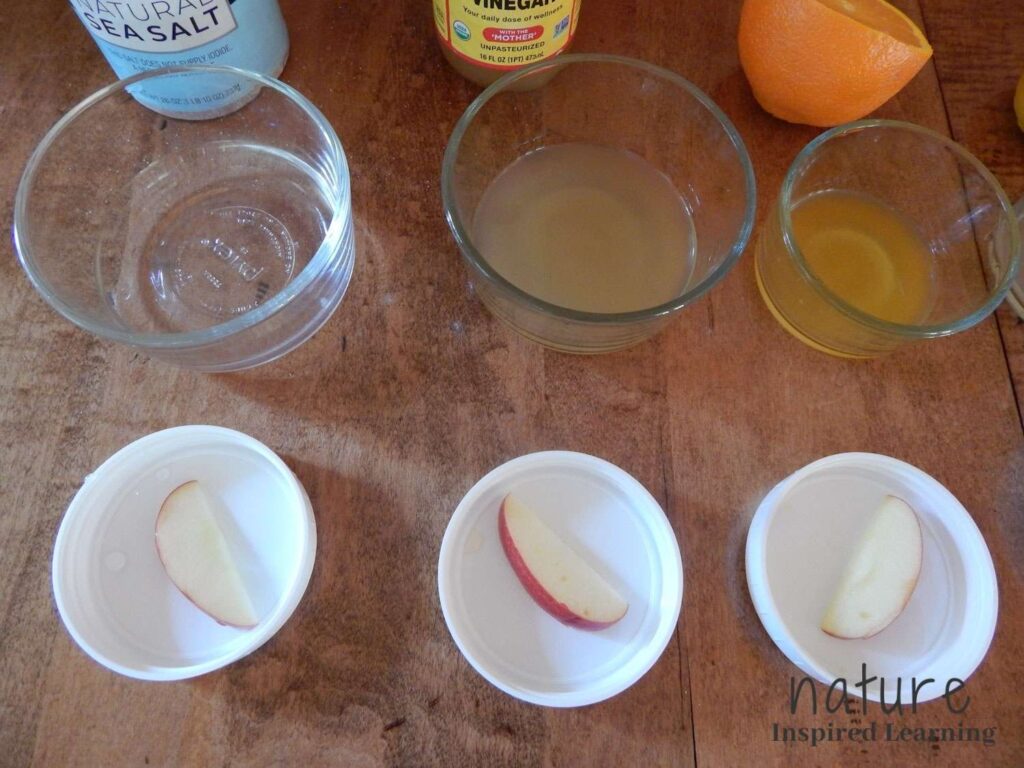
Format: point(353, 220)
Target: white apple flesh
point(196, 556)
point(880, 576)
point(556, 577)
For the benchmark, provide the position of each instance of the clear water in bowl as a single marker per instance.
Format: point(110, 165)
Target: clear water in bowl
point(223, 229)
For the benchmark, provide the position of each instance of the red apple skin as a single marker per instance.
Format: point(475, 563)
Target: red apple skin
point(533, 588)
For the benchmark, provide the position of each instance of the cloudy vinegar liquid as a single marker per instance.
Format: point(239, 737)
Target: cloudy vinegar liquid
point(587, 227)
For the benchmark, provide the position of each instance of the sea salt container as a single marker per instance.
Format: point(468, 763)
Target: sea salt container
point(140, 35)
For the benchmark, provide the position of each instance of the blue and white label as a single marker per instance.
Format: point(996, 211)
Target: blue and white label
point(140, 35)
point(157, 26)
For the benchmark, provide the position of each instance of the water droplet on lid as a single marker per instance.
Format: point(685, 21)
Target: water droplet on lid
point(115, 561)
point(163, 474)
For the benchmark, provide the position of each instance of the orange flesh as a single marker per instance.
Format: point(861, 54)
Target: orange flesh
point(881, 16)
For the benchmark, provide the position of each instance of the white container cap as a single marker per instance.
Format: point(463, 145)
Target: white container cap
point(111, 589)
point(798, 544)
point(610, 519)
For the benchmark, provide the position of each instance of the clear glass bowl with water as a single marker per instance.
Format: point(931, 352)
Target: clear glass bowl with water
point(214, 244)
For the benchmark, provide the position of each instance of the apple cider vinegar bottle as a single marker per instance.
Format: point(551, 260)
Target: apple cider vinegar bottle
point(484, 39)
point(139, 35)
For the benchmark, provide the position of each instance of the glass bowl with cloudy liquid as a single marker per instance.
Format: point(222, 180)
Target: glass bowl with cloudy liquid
point(593, 197)
point(215, 244)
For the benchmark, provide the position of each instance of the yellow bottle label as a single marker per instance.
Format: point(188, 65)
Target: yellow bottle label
point(506, 34)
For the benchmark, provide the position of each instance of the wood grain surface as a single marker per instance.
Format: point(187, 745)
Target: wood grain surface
point(979, 63)
point(412, 392)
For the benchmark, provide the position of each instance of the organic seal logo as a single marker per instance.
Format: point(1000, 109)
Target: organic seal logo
point(461, 30)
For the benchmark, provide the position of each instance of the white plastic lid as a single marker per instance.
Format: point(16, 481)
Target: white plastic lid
point(800, 540)
point(605, 514)
point(112, 591)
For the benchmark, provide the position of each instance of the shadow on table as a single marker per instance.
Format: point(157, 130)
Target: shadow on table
point(370, 605)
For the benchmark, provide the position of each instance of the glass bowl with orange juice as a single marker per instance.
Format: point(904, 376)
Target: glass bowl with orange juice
point(878, 237)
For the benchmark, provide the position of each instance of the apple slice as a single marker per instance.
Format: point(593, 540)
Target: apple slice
point(880, 575)
point(195, 554)
point(561, 581)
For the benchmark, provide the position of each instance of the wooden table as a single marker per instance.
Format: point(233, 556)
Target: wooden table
point(412, 392)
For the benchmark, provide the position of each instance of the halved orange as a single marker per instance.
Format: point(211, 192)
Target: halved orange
point(825, 62)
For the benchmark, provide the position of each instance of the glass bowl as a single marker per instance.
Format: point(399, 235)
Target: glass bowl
point(214, 244)
point(936, 212)
point(1015, 297)
point(610, 102)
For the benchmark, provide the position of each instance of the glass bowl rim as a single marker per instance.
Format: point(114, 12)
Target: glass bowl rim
point(1015, 297)
point(476, 259)
point(996, 295)
point(321, 259)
